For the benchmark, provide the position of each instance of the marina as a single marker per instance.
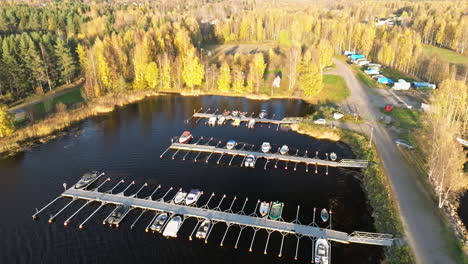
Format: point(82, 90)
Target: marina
point(280, 155)
point(179, 212)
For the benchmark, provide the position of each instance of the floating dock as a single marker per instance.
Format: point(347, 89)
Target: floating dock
point(284, 121)
point(344, 163)
point(217, 215)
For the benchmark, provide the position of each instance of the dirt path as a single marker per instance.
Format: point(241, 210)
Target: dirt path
point(423, 226)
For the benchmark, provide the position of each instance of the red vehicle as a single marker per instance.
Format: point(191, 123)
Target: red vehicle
point(388, 108)
point(185, 137)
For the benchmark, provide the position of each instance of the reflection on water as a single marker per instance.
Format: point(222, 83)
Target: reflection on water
point(127, 143)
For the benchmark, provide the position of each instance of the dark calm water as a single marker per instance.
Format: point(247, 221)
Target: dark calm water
point(126, 144)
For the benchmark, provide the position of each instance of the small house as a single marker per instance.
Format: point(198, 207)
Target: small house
point(385, 80)
point(372, 71)
point(277, 82)
point(356, 56)
point(347, 52)
point(401, 85)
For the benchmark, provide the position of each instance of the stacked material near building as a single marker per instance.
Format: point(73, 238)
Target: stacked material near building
point(372, 71)
point(423, 85)
point(401, 85)
point(385, 80)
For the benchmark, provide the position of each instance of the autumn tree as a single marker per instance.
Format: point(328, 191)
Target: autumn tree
point(224, 78)
point(152, 75)
point(310, 75)
point(257, 70)
point(192, 70)
point(7, 122)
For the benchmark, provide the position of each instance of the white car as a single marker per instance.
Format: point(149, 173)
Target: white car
point(320, 121)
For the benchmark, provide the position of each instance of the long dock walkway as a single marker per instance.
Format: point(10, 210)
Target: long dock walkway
point(283, 121)
point(347, 163)
point(229, 217)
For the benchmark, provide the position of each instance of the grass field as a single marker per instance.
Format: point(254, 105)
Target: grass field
point(449, 55)
point(334, 89)
point(406, 118)
point(395, 75)
point(68, 99)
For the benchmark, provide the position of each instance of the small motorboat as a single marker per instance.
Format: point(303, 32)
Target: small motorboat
point(333, 156)
point(251, 123)
point(173, 226)
point(185, 137)
point(118, 214)
point(193, 196)
point(236, 122)
point(235, 113)
point(221, 120)
point(324, 215)
point(321, 251)
point(87, 179)
point(180, 196)
point(212, 120)
point(159, 222)
point(276, 210)
point(266, 147)
point(284, 150)
point(264, 208)
point(226, 113)
point(231, 144)
point(250, 161)
point(262, 114)
point(203, 229)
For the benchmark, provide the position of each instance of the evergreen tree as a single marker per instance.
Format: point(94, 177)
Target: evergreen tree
point(65, 61)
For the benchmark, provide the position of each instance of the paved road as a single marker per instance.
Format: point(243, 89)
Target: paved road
point(423, 226)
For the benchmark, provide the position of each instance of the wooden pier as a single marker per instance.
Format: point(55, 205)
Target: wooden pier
point(215, 215)
point(284, 121)
point(345, 163)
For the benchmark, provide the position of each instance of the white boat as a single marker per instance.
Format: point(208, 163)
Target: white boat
point(212, 121)
point(193, 196)
point(266, 147)
point(158, 222)
point(180, 196)
point(203, 229)
point(284, 150)
point(87, 179)
point(262, 114)
point(333, 156)
point(231, 144)
point(321, 251)
point(324, 215)
point(251, 123)
point(221, 120)
point(235, 113)
point(118, 214)
point(264, 208)
point(250, 161)
point(172, 228)
point(185, 137)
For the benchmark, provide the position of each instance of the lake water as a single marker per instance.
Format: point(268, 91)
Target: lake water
point(126, 144)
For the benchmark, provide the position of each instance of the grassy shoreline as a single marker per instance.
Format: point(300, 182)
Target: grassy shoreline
point(375, 184)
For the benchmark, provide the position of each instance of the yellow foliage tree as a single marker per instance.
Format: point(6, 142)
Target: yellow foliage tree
point(224, 79)
point(7, 122)
point(192, 70)
point(152, 75)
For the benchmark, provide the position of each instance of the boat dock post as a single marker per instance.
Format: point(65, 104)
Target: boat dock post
point(139, 190)
point(238, 237)
point(126, 188)
point(151, 195)
point(194, 111)
point(217, 208)
point(296, 220)
point(243, 206)
point(195, 228)
point(198, 120)
point(112, 189)
point(280, 254)
point(205, 206)
point(91, 215)
point(229, 210)
point(138, 218)
point(161, 156)
point(297, 245)
point(65, 207)
point(196, 143)
point(254, 213)
point(268, 240)
point(100, 185)
point(312, 260)
point(213, 223)
point(326, 172)
point(220, 157)
point(266, 163)
point(151, 222)
point(209, 156)
point(162, 198)
point(43, 208)
point(206, 144)
point(225, 233)
point(253, 238)
point(76, 212)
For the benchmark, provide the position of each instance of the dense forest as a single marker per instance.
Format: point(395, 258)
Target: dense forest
point(172, 46)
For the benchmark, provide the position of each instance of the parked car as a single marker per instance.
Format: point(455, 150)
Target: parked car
point(403, 143)
point(320, 121)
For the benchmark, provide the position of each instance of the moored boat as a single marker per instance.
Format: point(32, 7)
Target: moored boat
point(250, 161)
point(226, 113)
point(284, 150)
point(87, 179)
point(193, 196)
point(236, 122)
point(118, 214)
point(231, 144)
point(266, 147)
point(251, 123)
point(324, 215)
point(235, 113)
point(203, 229)
point(173, 226)
point(262, 114)
point(276, 210)
point(180, 196)
point(185, 137)
point(321, 251)
point(159, 222)
point(221, 120)
point(333, 156)
point(264, 208)
point(212, 120)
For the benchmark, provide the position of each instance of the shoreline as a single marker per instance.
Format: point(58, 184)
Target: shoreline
point(375, 185)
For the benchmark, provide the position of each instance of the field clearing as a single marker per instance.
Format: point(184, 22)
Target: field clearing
point(450, 56)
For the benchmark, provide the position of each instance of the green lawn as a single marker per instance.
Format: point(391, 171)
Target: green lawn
point(70, 98)
point(406, 118)
point(334, 89)
point(449, 55)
